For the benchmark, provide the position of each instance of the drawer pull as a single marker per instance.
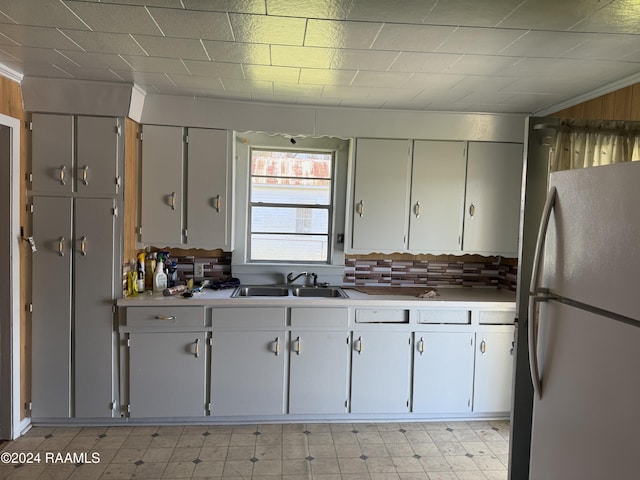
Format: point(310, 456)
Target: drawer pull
point(421, 346)
point(298, 346)
point(85, 175)
point(63, 170)
point(197, 349)
point(165, 317)
point(277, 346)
point(61, 246)
point(483, 347)
point(359, 345)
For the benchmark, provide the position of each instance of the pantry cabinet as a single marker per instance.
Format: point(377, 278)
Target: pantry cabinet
point(185, 187)
point(72, 322)
point(493, 370)
point(492, 206)
point(75, 154)
point(443, 372)
point(380, 371)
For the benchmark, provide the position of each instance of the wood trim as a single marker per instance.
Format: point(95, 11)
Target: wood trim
point(623, 104)
point(130, 188)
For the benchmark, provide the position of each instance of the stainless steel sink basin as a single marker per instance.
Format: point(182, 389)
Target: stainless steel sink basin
point(261, 291)
point(324, 292)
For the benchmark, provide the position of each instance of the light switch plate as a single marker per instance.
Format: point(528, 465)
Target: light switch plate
point(198, 270)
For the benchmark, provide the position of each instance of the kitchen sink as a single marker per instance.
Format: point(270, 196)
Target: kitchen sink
point(261, 291)
point(324, 292)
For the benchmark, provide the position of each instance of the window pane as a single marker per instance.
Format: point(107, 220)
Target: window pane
point(289, 220)
point(296, 248)
point(290, 164)
point(282, 190)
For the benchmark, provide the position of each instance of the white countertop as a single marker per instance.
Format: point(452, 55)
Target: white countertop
point(468, 297)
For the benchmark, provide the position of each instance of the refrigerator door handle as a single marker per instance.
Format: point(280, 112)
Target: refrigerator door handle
point(534, 292)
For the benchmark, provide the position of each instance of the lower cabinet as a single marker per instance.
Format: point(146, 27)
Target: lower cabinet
point(493, 371)
point(443, 372)
point(167, 374)
point(319, 372)
point(380, 372)
point(247, 373)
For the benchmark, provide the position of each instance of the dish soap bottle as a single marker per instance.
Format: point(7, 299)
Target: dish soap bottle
point(159, 277)
point(140, 269)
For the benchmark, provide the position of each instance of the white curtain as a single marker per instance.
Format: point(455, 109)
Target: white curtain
point(589, 144)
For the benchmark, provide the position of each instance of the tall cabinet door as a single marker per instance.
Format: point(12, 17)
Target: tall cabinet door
point(492, 207)
point(51, 319)
point(381, 195)
point(52, 153)
point(247, 373)
point(318, 359)
point(208, 202)
point(494, 372)
point(162, 166)
point(442, 372)
point(437, 196)
point(93, 320)
point(380, 372)
point(97, 162)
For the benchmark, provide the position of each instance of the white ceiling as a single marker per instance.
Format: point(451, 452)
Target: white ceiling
point(519, 56)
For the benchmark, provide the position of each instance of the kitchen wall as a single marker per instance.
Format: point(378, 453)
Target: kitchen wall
point(11, 105)
point(623, 104)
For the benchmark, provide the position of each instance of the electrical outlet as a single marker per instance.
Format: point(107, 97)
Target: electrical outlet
point(198, 270)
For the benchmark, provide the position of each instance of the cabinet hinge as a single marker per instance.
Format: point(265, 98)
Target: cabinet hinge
point(114, 406)
point(347, 340)
point(128, 408)
point(118, 182)
point(115, 211)
point(209, 407)
point(140, 136)
point(407, 403)
point(211, 342)
point(29, 126)
point(30, 177)
point(128, 342)
point(113, 309)
point(28, 406)
point(118, 130)
point(29, 307)
point(185, 232)
point(186, 139)
point(140, 231)
point(30, 208)
point(346, 403)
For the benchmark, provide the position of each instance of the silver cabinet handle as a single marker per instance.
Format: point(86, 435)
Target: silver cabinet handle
point(298, 346)
point(63, 171)
point(85, 174)
point(359, 345)
point(61, 246)
point(417, 209)
point(217, 203)
point(472, 210)
point(532, 327)
point(165, 317)
point(197, 348)
point(83, 246)
point(483, 346)
point(172, 200)
point(421, 346)
point(360, 208)
point(277, 346)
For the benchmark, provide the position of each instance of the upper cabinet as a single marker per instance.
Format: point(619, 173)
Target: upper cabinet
point(75, 154)
point(381, 194)
point(185, 187)
point(436, 197)
point(492, 207)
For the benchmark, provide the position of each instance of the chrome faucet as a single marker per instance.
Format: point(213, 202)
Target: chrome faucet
point(291, 278)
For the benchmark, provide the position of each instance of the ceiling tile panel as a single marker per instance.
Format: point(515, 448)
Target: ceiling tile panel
point(482, 65)
point(148, 3)
point(36, 55)
point(307, 57)
point(155, 64)
point(471, 12)
point(96, 60)
point(299, 90)
point(105, 17)
point(105, 42)
point(42, 13)
point(606, 47)
point(485, 41)
point(192, 24)
point(424, 62)
point(35, 37)
point(329, 9)
point(172, 47)
point(618, 16)
point(193, 81)
point(551, 14)
point(314, 76)
point(249, 86)
point(97, 74)
point(411, 38)
point(546, 44)
point(334, 34)
point(408, 11)
point(347, 59)
point(272, 74)
point(434, 81)
point(237, 52)
point(272, 30)
point(232, 6)
point(380, 79)
point(214, 69)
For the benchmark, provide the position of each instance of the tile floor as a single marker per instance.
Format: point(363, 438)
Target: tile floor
point(336, 451)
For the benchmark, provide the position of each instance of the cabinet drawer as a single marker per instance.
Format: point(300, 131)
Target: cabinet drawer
point(319, 317)
point(445, 316)
point(497, 318)
point(255, 317)
point(165, 316)
point(382, 316)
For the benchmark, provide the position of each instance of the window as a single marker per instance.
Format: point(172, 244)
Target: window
point(290, 205)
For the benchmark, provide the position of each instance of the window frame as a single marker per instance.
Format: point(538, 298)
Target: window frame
point(330, 207)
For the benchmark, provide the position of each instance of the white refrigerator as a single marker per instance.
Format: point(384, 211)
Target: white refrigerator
point(584, 327)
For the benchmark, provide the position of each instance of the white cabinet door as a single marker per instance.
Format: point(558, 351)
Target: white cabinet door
point(319, 366)
point(493, 372)
point(437, 196)
point(162, 167)
point(381, 195)
point(52, 152)
point(208, 199)
point(247, 373)
point(167, 374)
point(98, 155)
point(380, 372)
point(442, 372)
point(492, 207)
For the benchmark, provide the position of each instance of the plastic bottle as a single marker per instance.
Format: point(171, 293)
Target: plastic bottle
point(159, 278)
point(140, 267)
point(150, 268)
